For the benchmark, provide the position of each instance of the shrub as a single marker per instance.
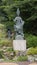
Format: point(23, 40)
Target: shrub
point(32, 51)
point(9, 49)
point(31, 40)
point(2, 31)
point(2, 35)
point(1, 54)
point(5, 42)
point(22, 58)
point(2, 26)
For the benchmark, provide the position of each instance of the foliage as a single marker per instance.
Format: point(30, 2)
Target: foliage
point(32, 51)
point(1, 54)
point(31, 40)
point(2, 26)
point(28, 10)
point(9, 49)
point(22, 58)
point(5, 42)
point(2, 31)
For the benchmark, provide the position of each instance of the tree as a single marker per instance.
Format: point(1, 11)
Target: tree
point(28, 10)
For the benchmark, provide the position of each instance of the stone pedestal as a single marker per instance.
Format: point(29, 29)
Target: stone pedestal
point(19, 45)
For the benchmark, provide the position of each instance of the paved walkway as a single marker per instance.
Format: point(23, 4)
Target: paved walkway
point(19, 63)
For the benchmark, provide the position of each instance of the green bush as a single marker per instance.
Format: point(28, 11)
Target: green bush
point(1, 54)
point(2, 26)
point(32, 51)
point(9, 49)
point(2, 34)
point(31, 40)
point(22, 58)
point(5, 42)
point(2, 31)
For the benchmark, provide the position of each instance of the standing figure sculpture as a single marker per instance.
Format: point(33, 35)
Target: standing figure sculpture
point(18, 27)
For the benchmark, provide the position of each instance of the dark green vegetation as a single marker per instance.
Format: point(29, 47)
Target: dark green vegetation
point(28, 12)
